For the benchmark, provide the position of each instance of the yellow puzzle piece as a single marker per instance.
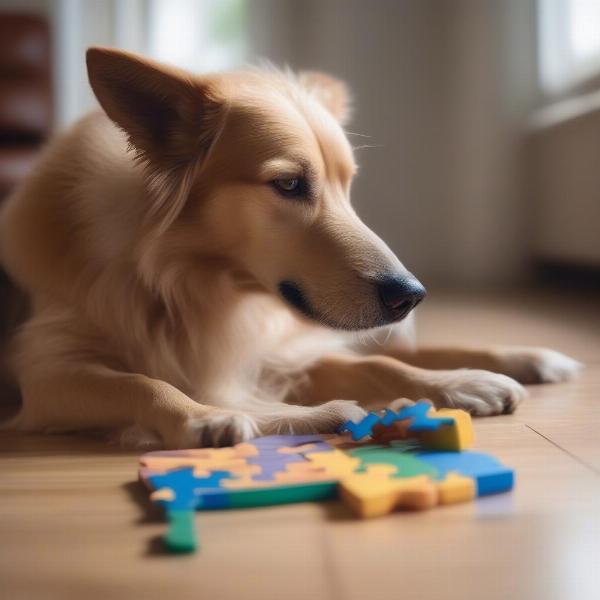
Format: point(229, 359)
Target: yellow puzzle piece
point(376, 492)
point(456, 437)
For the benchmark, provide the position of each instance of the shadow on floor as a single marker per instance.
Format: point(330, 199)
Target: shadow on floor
point(149, 512)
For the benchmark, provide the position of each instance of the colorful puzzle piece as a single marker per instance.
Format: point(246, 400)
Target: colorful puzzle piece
point(379, 489)
point(421, 415)
point(185, 485)
point(457, 435)
point(374, 495)
point(406, 465)
point(177, 491)
point(362, 428)
point(181, 535)
point(415, 461)
point(456, 488)
point(440, 429)
point(489, 475)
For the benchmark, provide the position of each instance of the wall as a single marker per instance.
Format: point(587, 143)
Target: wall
point(491, 85)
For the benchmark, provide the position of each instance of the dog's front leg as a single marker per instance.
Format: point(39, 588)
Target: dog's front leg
point(94, 396)
point(523, 363)
point(377, 380)
point(275, 418)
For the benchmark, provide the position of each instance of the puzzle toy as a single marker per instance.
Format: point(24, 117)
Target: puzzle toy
point(414, 458)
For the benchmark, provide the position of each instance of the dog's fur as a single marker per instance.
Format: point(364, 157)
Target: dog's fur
point(152, 245)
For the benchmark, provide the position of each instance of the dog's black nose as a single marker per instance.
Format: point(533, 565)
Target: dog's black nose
point(399, 295)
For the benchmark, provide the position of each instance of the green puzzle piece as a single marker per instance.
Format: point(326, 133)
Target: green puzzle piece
point(181, 537)
point(407, 465)
point(304, 492)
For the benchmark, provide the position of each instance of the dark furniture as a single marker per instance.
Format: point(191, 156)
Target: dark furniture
point(25, 94)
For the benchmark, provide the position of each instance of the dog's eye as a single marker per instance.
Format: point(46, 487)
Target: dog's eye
point(290, 187)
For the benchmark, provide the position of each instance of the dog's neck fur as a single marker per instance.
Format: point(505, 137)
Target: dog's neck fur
point(186, 312)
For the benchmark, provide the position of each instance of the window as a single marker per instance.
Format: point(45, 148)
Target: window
point(205, 35)
point(200, 35)
point(569, 42)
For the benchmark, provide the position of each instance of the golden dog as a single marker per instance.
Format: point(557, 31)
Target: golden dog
point(194, 267)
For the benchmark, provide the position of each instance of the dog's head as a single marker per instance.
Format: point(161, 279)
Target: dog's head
point(253, 168)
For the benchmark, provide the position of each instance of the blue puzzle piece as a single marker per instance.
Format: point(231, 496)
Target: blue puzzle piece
point(421, 421)
point(186, 486)
point(215, 500)
point(389, 416)
point(362, 428)
point(490, 475)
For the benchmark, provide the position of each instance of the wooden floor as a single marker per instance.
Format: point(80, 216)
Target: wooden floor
point(74, 522)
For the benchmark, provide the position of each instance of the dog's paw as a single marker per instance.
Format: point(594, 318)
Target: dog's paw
point(334, 413)
point(539, 365)
point(478, 392)
point(291, 419)
point(215, 429)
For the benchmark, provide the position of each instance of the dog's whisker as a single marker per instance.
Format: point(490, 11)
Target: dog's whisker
point(390, 330)
point(363, 146)
point(358, 134)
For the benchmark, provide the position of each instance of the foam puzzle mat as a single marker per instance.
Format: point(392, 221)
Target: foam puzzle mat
point(416, 458)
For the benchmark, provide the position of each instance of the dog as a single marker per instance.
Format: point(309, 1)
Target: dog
point(195, 271)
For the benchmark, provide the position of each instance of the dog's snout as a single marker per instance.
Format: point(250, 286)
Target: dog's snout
point(399, 295)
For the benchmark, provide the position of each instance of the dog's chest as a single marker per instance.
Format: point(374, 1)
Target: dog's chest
point(215, 356)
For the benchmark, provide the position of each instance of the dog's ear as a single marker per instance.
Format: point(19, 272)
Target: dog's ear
point(330, 92)
point(167, 114)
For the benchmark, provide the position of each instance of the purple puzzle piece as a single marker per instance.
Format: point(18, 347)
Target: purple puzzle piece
point(272, 461)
